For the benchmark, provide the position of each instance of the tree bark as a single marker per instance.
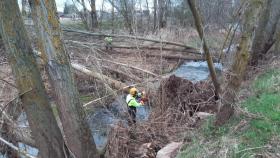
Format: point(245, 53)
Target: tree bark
point(271, 34)
point(162, 13)
point(113, 17)
point(239, 66)
point(155, 15)
point(41, 120)
point(23, 7)
point(94, 22)
point(258, 42)
point(208, 58)
point(72, 115)
point(277, 42)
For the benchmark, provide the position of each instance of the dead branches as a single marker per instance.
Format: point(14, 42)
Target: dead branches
point(190, 51)
point(178, 57)
point(131, 38)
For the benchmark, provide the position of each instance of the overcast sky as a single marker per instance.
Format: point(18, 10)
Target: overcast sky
point(60, 4)
point(107, 6)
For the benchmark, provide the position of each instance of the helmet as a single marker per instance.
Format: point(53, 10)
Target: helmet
point(133, 91)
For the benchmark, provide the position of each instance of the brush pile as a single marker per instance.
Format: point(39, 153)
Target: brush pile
point(172, 115)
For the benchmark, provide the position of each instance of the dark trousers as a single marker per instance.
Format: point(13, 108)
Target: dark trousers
point(132, 115)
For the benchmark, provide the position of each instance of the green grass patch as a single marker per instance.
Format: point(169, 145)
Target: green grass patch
point(257, 133)
point(86, 98)
point(77, 25)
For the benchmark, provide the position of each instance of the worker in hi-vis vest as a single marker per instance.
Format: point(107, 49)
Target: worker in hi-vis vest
point(108, 43)
point(134, 100)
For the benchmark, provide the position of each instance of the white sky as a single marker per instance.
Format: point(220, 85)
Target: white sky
point(60, 4)
point(107, 6)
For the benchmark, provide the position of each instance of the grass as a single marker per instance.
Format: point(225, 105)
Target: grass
point(253, 138)
point(213, 40)
point(86, 98)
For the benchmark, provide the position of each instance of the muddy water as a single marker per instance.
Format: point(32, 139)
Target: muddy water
point(101, 119)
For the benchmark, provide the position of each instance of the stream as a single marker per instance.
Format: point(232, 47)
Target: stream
point(101, 119)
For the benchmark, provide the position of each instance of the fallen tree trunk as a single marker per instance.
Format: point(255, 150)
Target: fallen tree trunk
point(132, 77)
point(113, 83)
point(191, 51)
point(117, 63)
point(131, 37)
point(80, 68)
point(179, 57)
point(126, 65)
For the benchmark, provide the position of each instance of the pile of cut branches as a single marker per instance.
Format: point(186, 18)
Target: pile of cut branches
point(172, 114)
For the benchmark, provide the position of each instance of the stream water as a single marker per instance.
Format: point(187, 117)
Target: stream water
point(101, 119)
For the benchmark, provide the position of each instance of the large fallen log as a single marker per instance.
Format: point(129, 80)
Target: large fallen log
point(131, 37)
point(80, 68)
point(87, 45)
point(178, 57)
point(113, 83)
point(191, 51)
point(130, 66)
point(132, 77)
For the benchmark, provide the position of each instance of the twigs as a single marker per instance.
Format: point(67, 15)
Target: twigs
point(5, 106)
point(11, 145)
point(11, 84)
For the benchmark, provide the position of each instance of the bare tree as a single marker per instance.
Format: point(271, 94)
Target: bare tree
point(77, 133)
point(199, 27)
point(162, 13)
point(241, 59)
point(94, 22)
point(258, 42)
point(113, 16)
point(155, 15)
point(40, 117)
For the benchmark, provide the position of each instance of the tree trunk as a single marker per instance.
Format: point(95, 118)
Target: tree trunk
point(23, 7)
point(277, 43)
point(41, 120)
point(162, 13)
point(198, 24)
point(155, 15)
point(94, 22)
point(271, 35)
point(239, 66)
point(258, 42)
point(84, 14)
point(127, 16)
point(77, 132)
point(113, 17)
point(149, 17)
